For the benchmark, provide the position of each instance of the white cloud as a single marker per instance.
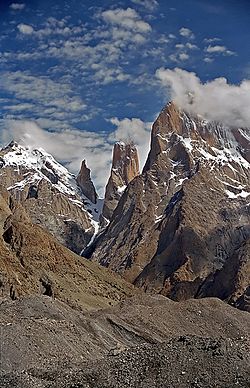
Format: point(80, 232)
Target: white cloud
point(42, 90)
point(188, 45)
point(126, 18)
point(208, 60)
point(52, 27)
point(43, 97)
point(191, 46)
point(186, 32)
point(25, 29)
point(183, 56)
point(108, 75)
point(151, 5)
point(180, 45)
point(214, 100)
point(179, 57)
point(219, 50)
point(19, 107)
point(17, 6)
point(211, 40)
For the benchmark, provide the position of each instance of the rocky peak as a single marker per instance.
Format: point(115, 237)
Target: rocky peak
point(125, 167)
point(186, 215)
point(126, 161)
point(85, 183)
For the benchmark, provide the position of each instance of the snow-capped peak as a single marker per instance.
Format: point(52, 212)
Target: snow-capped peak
point(34, 165)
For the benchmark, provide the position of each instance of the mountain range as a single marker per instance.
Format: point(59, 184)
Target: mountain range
point(179, 229)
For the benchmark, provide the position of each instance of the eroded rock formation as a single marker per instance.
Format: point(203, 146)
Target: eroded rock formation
point(125, 167)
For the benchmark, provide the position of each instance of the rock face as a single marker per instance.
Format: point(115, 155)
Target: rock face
point(85, 183)
point(183, 225)
point(49, 194)
point(33, 262)
point(125, 167)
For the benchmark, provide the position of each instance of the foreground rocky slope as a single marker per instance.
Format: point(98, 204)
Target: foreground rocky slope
point(65, 206)
point(33, 262)
point(183, 225)
point(144, 341)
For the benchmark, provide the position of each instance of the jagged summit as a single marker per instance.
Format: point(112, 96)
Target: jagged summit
point(85, 183)
point(206, 140)
point(125, 167)
point(125, 161)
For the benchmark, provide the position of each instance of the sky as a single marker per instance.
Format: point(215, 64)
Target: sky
point(76, 76)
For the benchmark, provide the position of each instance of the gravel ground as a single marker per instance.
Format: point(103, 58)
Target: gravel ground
point(145, 341)
point(183, 362)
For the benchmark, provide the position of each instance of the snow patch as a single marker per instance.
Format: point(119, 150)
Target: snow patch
point(121, 189)
point(242, 194)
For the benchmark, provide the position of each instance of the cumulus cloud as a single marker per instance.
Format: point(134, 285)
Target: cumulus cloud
point(25, 29)
point(126, 18)
point(214, 100)
point(17, 6)
point(151, 5)
point(218, 50)
point(71, 146)
point(186, 32)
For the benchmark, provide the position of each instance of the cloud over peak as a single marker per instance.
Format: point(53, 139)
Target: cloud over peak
point(214, 100)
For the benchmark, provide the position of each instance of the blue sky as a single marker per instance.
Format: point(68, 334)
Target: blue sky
point(75, 76)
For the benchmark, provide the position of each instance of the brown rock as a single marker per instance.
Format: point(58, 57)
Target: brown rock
point(85, 183)
point(125, 167)
point(33, 262)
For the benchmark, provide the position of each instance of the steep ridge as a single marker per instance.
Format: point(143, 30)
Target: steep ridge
point(125, 167)
point(51, 195)
point(33, 262)
point(183, 220)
